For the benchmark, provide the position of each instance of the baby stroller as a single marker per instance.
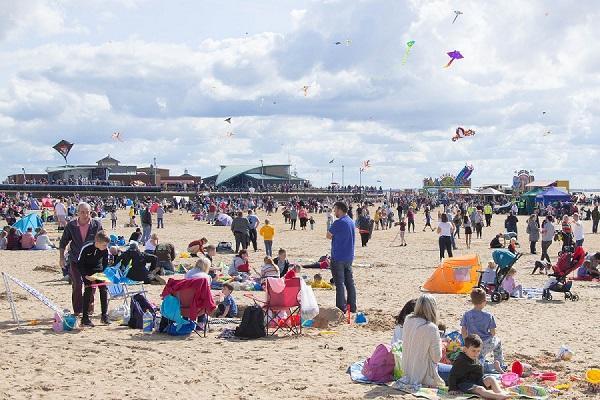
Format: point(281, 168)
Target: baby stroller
point(567, 263)
point(568, 242)
point(504, 260)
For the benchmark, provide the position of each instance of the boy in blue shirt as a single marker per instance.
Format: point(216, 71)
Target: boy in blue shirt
point(482, 323)
point(227, 308)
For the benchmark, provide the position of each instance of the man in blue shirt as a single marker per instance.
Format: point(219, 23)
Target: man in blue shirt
point(341, 233)
point(254, 222)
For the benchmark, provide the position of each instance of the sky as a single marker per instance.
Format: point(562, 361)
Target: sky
point(166, 75)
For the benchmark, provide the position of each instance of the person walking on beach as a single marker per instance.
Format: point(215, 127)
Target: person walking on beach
point(341, 234)
point(595, 219)
point(533, 230)
point(252, 232)
point(446, 231)
point(487, 212)
point(146, 219)
point(160, 214)
point(240, 227)
point(77, 232)
point(293, 217)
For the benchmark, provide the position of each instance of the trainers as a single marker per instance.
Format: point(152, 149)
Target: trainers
point(104, 319)
point(87, 322)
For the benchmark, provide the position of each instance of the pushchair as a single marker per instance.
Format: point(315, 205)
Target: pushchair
point(504, 260)
point(568, 242)
point(567, 263)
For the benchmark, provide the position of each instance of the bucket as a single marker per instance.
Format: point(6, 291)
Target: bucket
point(509, 379)
point(69, 322)
point(548, 376)
point(517, 368)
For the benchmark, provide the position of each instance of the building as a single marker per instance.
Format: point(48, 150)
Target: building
point(241, 176)
point(103, 170)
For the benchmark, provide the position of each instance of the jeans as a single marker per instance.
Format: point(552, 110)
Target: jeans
point(113, 223)
point(545, 245)
point(445, 245)
point(76, 288)
point(344, 285)
point(532, 246)
point(479, 229)
point(146, 232)
point(159, 223)
point(253, 237)
point(579, 242)
point(488, 219)
point(88, 296)
point(492, 345)
point(293, 223)
point(444, 371)
point(269, 248)
point(595, 226)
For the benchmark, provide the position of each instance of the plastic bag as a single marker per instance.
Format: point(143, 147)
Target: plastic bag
point(119, 313)
point(310, 307)
point(397, 352)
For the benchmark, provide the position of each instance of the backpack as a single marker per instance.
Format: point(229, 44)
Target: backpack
point(138, 306)
point(253, 324)
point(380, 366)
point(224, 247)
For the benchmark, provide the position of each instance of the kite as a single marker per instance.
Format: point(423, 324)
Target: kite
point(544, 112)
point(461, 133)
point(365, 165)
point(457, 14)
point(228, 120)
point(305, 88)
point(347, 42)
point(547, 133)
point(332, 160)
point(63, 147)
point(454, 55)
point(409, 45)
point(117, 136)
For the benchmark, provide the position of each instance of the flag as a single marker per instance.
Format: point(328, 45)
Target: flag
point(63, 147)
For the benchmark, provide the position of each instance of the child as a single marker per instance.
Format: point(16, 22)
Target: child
point(466, 374)
point(92, 259)
point(408, 308)
point(312, 223)
point(268, 270)
point(510, 285)
point(113, 218)
point(227, 308)
point(512, 246)
point(483, 324)
point(489, 275)
point(293, 272)
point(402, 231)
point(267, 232)
point(319, 283)
point(495, 243)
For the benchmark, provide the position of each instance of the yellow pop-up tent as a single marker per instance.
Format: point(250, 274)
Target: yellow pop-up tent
point(458, 275)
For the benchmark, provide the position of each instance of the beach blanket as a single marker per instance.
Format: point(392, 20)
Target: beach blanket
point(533, 293)
point(225, 321)
point(355, 371)
point(530, 392)
point(520, 391)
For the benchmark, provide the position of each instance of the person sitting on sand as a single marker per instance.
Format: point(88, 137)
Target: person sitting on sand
point(151, 244)
point(512, 246)
point(293, 272)
point(13, 240)
point(43, 242)
point(227, 308)
point(239, 264)
point(510, 285)
point(408, 309)
point(282, 262)
point(495, 243)
point(488, 277)
point(28, 240)
point(165, 255)
point(138, 260)
point(319, 283)
point(200, 270)
point(268, 270)
point(467, 373)
point(136, 236)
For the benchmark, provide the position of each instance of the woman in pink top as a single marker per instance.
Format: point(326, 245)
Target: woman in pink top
point(303, 216)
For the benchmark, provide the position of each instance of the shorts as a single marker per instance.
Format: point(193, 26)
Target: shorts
point(468, 230)
point(468, 387)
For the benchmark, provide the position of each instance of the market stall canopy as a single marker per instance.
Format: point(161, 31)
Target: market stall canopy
point(492, 192)
point(552, 195)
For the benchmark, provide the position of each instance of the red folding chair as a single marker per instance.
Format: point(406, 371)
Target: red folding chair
point(288, 301)
point(186, 297)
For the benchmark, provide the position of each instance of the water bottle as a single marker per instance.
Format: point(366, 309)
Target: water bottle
point(157, 322)
point(148, 322)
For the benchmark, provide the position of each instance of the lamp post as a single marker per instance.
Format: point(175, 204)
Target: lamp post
point(24, 176)
point(154, 169)
point(262, 173)
point(342, 175)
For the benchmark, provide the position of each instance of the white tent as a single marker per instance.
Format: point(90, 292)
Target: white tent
point(491, 192)
point(468, 191)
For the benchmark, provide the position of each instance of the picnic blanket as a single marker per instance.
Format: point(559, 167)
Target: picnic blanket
point(520, 391)
point(355, 371)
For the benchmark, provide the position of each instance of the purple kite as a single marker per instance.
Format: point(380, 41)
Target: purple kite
point(454, 55)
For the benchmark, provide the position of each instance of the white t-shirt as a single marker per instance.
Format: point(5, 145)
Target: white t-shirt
point(446, 228)
point(578, 230)
point(149, 245)
point(195, 273)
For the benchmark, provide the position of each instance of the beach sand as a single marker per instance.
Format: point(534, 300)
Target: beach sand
point(116, 362)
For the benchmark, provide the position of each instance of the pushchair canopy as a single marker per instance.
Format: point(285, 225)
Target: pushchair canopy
point(503, 258)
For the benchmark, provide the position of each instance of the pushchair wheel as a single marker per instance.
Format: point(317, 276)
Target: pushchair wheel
point(546, 295)
point(568, 296)
point(505, 296)
point(496, 298)
point(574, 297)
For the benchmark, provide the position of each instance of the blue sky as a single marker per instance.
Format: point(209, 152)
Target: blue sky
point(166, 74)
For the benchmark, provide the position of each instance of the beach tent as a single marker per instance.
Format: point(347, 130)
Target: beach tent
point(468, 191)
point(224, 220)
point(552, 195)
point(456, 275)
point(34, 205)
point(528, 199)
point(31, 220)
point(129, 202)
point(47, 202)
point(491, 192)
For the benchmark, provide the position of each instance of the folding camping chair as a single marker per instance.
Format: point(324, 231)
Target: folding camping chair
point(119, 288)
point(288, 300)
point(185, 298)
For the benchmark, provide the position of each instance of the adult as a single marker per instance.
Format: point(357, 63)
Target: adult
point(138, 260)
point(146, 219)
point(510, 224)
point(240, 227)
point(578, 234)
point(253, 221)
point(13, 239)
point(341, 234)
point(165, 255)
point(77, 232)
point(60, 211)
point(303, 216)
point(446, 230)
point(533, 230)
point(293, 218)
point(547, 236)
point(410, 216)
point(160, 215)
point(595, 219)
point(422, 346)
point(487, 212)
point(477, 221)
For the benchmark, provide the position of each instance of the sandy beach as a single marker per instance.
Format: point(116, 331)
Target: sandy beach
point(116, 362)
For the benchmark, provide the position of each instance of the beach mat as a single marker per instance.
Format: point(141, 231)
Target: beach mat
point(355, 371)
